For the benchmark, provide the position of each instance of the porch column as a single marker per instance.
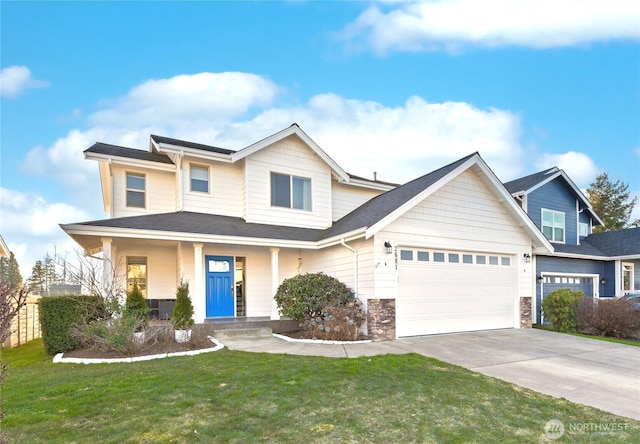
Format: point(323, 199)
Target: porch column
point(198, 296)
point(275, 315)
point(107, 268)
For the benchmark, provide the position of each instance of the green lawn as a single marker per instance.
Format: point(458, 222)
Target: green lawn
point(242, 397)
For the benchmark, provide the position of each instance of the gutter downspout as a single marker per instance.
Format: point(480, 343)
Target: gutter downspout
point(355, 264)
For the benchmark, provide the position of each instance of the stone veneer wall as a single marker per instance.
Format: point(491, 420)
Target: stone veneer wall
point(381, 319)
point(525, 313)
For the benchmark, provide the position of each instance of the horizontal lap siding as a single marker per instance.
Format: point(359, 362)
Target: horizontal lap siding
point(225, 196)
point(556, 196)
point(159, 195)
point(162, 281)
point(347, 198)
point(289, 156)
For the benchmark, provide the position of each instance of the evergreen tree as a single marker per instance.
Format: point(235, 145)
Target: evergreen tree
point(611, 202)
point(10, 270)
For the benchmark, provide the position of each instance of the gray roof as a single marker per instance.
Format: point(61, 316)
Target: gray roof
point(184, 143)
point(608, 244)
point(130, 153)
point(527, 182)
point(211, 224)
point(380, 206)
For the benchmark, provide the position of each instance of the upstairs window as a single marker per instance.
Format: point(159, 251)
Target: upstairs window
point(199, 178)
point(553, 225)
point(135, 190)
point(290, 191)
point(583, 229)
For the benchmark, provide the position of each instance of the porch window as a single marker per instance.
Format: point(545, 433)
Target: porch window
point(137, 273)
point(199, 178)
point(290, 191)
point(135, 190)
point(553, 225)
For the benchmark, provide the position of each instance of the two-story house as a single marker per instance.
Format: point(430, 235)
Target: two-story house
point(448, 251)
point(601, 265)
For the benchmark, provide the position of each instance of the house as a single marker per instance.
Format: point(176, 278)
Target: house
point(449, 251)
point(601, 265)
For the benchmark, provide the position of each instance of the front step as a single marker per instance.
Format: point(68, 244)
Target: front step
point(228, 333)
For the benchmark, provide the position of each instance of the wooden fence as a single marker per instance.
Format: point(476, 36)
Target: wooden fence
point(26, 326)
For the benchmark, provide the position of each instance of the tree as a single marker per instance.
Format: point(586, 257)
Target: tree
point(611, 202)
point(10, 270)
point(43, 275)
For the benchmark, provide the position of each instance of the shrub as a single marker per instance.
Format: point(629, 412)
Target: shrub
point(136, 307)
point(182, 316)
point(59, 314)
point(116, 334)
point(336, 323)
point(614, 318)
point(305, 296)
point(561, 307)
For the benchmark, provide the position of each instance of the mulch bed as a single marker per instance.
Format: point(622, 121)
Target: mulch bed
point(148, 349)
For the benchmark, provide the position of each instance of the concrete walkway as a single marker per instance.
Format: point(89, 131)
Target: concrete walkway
point(597, 373)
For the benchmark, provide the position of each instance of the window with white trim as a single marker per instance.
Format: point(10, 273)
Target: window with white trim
point(553, 225)
point(199, 178)
point(583, 229)
point(136, 187)
point(290, 191)
point(137, 273)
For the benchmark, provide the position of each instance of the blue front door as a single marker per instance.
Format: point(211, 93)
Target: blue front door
point(220, 300)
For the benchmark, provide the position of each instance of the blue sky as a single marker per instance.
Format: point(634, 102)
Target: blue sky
point(400, 88)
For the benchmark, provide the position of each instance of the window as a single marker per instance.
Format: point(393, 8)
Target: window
point(583, 229)
point(199, 178)
point(290, 192)
point(467, 259)
point(506, 261)
point(137, 273)
point(454, 258)
point(481, 259)
point(438, 257)
point(135, 190)
point(423, 256)
point(406, 255)
point(493, 260)
point(553, 225)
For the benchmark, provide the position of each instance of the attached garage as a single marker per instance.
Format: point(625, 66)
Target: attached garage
point(552, 282)
point(444, 291)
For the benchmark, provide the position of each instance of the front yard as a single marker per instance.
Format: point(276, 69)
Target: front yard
point(242, 397)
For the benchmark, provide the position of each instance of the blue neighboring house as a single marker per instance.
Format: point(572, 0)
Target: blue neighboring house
point(602, 265)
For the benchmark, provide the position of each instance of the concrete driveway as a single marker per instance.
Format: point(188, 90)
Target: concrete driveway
point(597, 373)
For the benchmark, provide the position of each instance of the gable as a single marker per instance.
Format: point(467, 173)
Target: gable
point(465, 210)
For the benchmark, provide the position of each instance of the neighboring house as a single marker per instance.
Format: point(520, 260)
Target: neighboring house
point(601, 265)
point(449, 251)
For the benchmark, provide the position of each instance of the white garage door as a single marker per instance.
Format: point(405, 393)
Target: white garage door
point(448, 291)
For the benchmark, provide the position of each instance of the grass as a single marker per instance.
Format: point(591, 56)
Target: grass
point(631, 342)
point(240, 397)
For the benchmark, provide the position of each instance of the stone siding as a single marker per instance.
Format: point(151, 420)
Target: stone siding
point(381, 319)
point(525, 312)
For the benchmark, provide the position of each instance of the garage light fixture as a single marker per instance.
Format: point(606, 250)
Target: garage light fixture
point(603, 281)
point(540, 279)
point(527, 257)
point(388, 247)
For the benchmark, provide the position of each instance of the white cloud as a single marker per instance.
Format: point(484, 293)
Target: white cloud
point(455, 24)
point(30, 226)
point(15, 79)
point(580, 167)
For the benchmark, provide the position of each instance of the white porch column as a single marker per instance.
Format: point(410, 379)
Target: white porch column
point(198, 296)
point(275, 314)
point(107, 268)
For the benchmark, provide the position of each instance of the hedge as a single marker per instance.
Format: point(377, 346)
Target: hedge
point(58, 314)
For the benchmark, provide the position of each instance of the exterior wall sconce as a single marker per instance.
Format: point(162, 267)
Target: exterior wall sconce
point(603, 281)
point(540, 279)
point(388, 247)
point(527, 257)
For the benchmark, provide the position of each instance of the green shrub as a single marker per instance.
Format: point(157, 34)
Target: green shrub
point(336, 323)
point(613, 318)
point(60, 314)
point(306, 295)
point(117, 334)
point(560, 307)
point(136, 307)
point(182, 316)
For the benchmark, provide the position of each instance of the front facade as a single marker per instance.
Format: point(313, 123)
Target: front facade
point(600, 265)
point(446, 252)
